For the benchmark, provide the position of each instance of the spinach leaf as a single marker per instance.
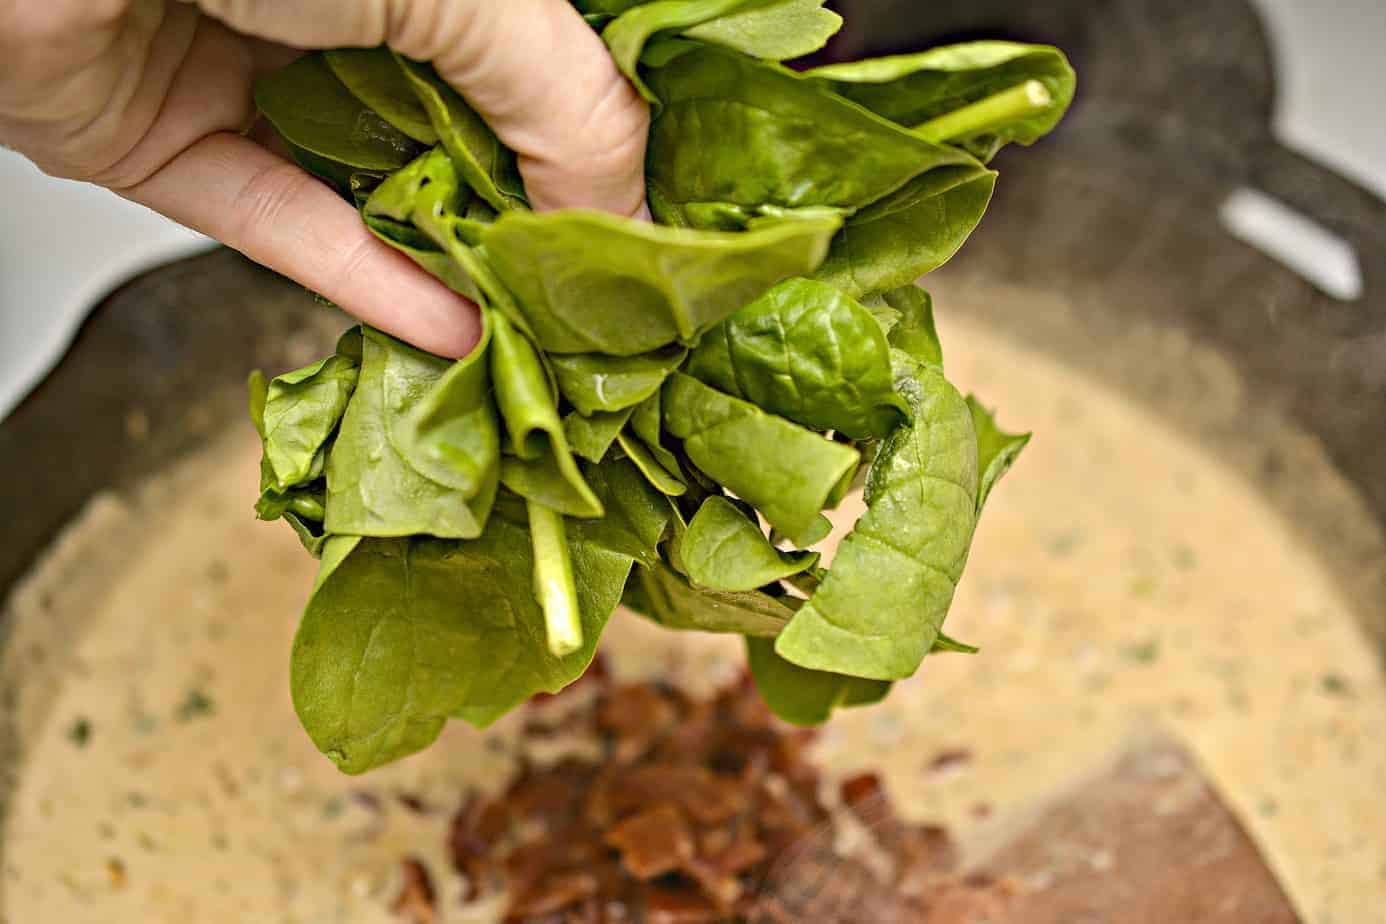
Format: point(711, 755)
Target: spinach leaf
point(312, 110)
point(401, 634)
point(637, 516)
point(878, 611)
point(914, 332)
point(775, 31)
point(373, 488)
point(996, 449)
point(647, 424)
point(392, 208)
point(894, 241)
point(444, 422)
point(589, 282)
point(485, 164)
point(944, 643)
point(913, 89)
point(659, 477)
point(806, 352)
point(801, 696)
point(301, 410)
point(662, 595)
point(544, 469)
point(627, 35)
point(594, 382)
point(375, 78)
point(725, 550)
point(797, 144)
point(591, 436)
point(783, 470)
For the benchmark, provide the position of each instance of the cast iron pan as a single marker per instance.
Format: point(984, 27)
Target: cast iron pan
point(1118, 212)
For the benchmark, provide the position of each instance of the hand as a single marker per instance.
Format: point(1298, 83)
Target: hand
point(152, 99)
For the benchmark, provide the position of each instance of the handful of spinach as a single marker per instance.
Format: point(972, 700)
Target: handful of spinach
point(647, 398)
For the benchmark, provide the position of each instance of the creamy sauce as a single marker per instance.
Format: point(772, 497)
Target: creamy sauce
point(1121, 577)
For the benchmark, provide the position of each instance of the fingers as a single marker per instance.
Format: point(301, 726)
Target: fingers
point(534, 70)
point(232, 189)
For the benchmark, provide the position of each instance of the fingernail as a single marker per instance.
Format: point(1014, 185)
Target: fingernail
point(643, 213)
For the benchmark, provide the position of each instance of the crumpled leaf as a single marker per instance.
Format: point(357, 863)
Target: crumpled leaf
point(914, 231)
point(593, 382)
point(775, 31)
point(809, 353)
point(723, 550)
point(912, 89)
point(801, 696)
point(373, 488)
point(589, 282)
point(728, 438)
point(997, 450)
point(879, 609)
point(797, 143)
point(375, 78)
point(314, 111)
point(664, 596)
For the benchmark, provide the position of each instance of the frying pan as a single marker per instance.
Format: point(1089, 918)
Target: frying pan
point(1121, 212)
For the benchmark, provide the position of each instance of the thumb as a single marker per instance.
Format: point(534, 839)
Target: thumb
point(533, 69)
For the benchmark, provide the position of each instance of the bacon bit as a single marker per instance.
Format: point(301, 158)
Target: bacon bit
point(654, 842)
point(554, 893)
point(669, 906)
point(416, 898)
point(704, 813)
point(636, 717)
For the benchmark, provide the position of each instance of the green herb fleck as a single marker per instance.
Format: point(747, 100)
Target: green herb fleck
point(195, 705)
point(80, 732)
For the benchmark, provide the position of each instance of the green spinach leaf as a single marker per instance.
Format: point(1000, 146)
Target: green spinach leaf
point(879, 610)
point(775, 31)
point(485, 164)
point(797, 144)
point(662, 595)
point(809, 353)
point(588, 282)
point(894, 241)
point(373, 488)
point(543, 469)
point(725, 550)
point(375, 78)
point(997, 450)
point(913, 89)
point(801, 696)
point(591, 436)
point(312, 110)
point(783, 470)
point(593, 382)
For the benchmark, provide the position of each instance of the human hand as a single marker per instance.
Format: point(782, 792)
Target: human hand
point(153, 99)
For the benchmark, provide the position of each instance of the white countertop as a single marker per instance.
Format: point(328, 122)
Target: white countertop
point(64, 245)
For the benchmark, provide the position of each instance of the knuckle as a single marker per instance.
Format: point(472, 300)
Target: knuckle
point(265, 197)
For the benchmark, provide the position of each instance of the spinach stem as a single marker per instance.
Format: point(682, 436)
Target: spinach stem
point(308, 507)
point(553, 580)
point(1023, 100)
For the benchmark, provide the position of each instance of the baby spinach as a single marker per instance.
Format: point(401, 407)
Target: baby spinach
point(783, 470)
point(724, 550)
point(798, 144)
point(594, 382)
point(655, 412)
point(809, 353)
point(588, 282)
point(914, 89)
point(881, 605)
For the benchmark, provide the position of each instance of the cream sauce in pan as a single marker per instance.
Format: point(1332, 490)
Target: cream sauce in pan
point(1121, 577)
